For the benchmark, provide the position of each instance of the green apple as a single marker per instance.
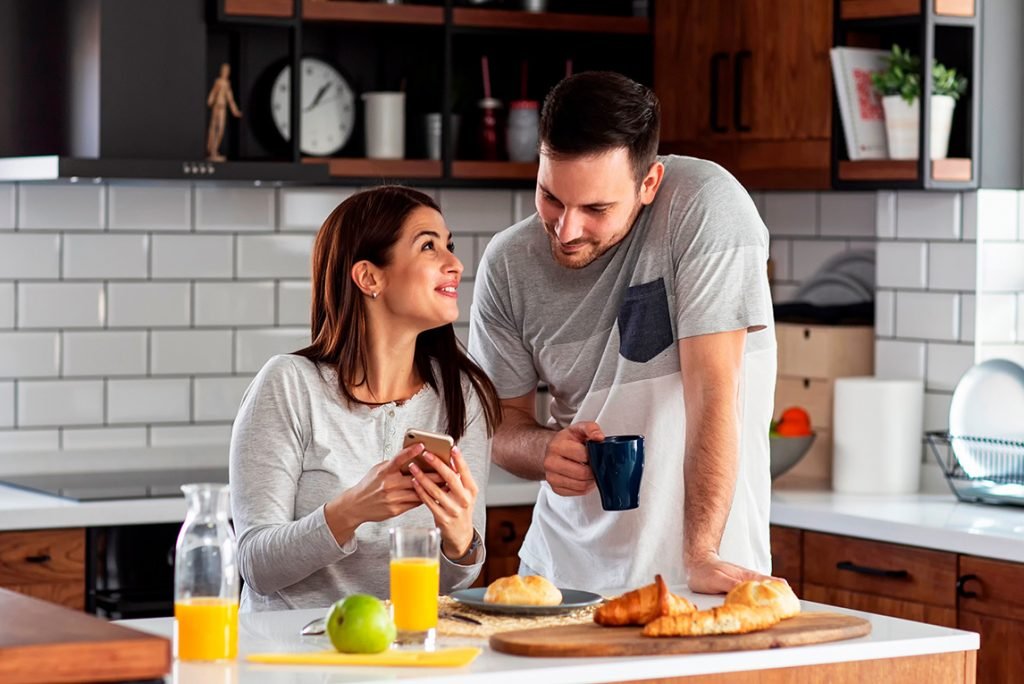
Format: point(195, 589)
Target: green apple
point(360, 624)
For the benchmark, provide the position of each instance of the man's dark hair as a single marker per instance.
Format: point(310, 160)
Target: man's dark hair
point(597, 111)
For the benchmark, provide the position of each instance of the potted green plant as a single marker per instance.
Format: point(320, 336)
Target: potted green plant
point(899, 84)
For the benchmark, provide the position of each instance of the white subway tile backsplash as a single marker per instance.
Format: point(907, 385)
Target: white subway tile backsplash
point(20, 441)
point(253, 348)
point(104, 353)
point(1020, 317)
point(61, 206)
point(148, 304)
point(6, 405)
point(885, 313)
point(464, 250)
point(1010, 352)
point(809, 255)
point(234, 303)
point(885, 214)
point(462, 333)
point(946, 363)
point(791, 213)
point(166, 207)
point(274, 256)
point(758, 199)
point(106, 256)
point(952, 266)
point(524, 203)
point(936, 410)
point(29, 256)
point(104, 438)
point(465, 300)
point(164, 400)
point(968, 317)
point(480, 244)
point(293, 302)
point(218, 398)
point(29, 354)
point(61, 305)
point(44, 403)
point(928, 215)
point(997, 318)
point(193, 256)
point(190, 351)
point(997, 214)
point(234, 209)
point(779, 251)
point(896, 359)
point(848, 214)
point(969, 215)
point(190, 435)
point(476, 211)
point(304, 209)
point(784, 292)
point(1002, 267)
point(928, 315)
point(8, 192)
point(6, 305)
point(901, 264)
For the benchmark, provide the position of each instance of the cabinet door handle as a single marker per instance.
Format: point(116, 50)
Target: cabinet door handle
point(737, 93)
point(508, 531)
point(716, 61)
point(41, 558)
point(850, 566)
point(961, 581)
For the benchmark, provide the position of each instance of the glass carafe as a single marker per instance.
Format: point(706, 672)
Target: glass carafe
point(206, 578)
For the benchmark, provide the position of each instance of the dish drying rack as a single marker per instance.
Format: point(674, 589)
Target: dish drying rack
point(981, 469)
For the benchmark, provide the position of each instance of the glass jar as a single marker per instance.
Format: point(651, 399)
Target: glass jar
point(206, 578)
point(488, 140)
point(522, 132)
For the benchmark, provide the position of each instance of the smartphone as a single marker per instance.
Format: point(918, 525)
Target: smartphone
point(436, 443)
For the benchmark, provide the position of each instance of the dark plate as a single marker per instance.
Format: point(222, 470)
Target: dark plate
point(571, 600)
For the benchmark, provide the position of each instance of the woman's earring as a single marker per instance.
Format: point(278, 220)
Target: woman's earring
point(373, 294)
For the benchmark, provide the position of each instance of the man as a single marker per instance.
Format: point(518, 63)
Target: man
point(638, 293)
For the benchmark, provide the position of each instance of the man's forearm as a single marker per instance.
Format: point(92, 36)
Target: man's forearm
point(520, 444)
point(710, 469)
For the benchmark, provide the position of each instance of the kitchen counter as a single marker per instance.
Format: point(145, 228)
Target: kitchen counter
point(889, 639)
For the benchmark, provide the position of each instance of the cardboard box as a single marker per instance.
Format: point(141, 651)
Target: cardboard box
point(825, 351)
point(811, 394)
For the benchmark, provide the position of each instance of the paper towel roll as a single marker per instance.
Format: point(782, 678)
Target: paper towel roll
point(877, 435)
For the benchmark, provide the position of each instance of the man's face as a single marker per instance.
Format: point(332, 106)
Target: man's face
point(587, 204)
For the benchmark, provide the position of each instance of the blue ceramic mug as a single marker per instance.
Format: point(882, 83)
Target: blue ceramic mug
point(618, 465)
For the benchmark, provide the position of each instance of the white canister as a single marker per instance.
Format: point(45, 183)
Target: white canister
point(522, 131)
point(385, 125)
point(877, 427)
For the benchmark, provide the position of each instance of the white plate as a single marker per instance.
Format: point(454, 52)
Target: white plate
point(571, 600)
point(988, 403)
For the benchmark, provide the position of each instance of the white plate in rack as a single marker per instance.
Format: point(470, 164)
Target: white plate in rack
point(988, 404)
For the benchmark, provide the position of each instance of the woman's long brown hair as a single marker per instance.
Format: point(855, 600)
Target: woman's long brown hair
point(366, 226)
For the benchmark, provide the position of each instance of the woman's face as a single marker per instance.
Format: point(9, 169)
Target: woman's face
point(421, 281)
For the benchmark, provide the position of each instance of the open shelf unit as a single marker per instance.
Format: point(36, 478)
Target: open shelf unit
point(943, 30)
point(379, 46)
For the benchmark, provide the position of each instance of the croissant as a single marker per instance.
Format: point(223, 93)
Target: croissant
point(640, 606)
point(776, 594)
point(725, 619)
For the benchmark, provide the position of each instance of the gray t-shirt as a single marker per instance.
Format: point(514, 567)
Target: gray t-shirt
point(296, 445)
point(604, 340)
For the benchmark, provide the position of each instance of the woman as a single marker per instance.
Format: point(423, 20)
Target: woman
point(316, 450)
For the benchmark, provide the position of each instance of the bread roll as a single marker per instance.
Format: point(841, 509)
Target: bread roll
point(531, 590)
point(775, 594)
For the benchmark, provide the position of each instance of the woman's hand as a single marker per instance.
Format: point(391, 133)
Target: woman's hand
point(451, 505)
point(383, 493)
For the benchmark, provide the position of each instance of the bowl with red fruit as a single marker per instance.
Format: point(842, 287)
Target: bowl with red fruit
point(790, 438)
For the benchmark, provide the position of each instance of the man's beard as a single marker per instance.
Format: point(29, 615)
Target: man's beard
point(592, 250)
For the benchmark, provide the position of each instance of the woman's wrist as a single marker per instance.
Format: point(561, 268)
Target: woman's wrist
point(456, 552)
point(340, 521)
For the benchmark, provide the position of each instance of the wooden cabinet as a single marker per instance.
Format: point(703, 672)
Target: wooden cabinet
point(748, 84)
point(506, 529)
point(991, 603)
point(46, 564)
point(787, 556)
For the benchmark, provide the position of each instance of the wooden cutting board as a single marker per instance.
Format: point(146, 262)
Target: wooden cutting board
point(44, 642)
point(594, 640)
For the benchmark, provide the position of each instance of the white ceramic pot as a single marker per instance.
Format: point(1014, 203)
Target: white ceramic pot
point(942, 122)
point(901, 126)
point(385, 125)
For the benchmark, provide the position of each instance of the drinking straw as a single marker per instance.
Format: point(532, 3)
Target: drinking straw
point(568, 67)
point(487, 76)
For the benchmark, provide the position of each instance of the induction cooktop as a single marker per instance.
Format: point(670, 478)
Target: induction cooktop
point(103, 486)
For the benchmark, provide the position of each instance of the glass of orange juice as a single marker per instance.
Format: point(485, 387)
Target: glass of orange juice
point(415, 584)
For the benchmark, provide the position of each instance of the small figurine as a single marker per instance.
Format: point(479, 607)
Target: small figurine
point(219, 100)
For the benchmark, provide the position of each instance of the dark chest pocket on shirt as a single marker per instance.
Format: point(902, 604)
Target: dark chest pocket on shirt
point(645, 328)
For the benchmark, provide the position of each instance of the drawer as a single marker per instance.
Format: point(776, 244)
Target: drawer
point(42, 556)
point(787, 554)
point(506, 529)
point(810, 394)
point(825, 351)
point(68, 594)
point(880, 568)
point(992, 587)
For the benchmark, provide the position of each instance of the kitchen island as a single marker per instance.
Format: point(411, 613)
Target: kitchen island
point(896, 651)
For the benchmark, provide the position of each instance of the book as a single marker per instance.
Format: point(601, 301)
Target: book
point(860, 107)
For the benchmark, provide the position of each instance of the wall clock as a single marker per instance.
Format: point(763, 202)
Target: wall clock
point(328, 107)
